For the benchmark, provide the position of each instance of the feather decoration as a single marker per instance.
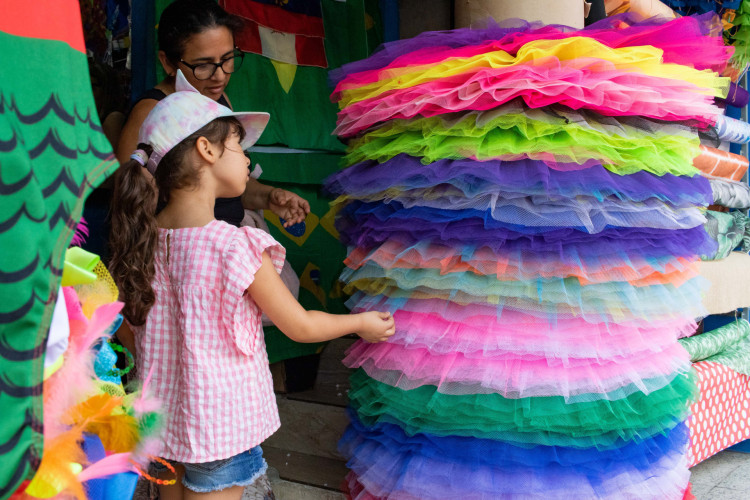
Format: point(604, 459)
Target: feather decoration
point(81, 233)
point(104, 416)
point(113, 464)
point(56, 472)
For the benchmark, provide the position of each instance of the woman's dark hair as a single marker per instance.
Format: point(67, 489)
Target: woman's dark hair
point(185, 18)
point(133, 239)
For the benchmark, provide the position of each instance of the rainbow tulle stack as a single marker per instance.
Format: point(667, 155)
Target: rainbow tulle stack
point(523, 199)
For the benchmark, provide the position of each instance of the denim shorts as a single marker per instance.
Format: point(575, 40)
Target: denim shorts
point(240, 470)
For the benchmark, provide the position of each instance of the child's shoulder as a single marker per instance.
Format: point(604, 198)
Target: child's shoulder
point(243, 238)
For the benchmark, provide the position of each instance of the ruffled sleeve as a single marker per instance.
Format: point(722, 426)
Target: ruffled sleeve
point(244, 258)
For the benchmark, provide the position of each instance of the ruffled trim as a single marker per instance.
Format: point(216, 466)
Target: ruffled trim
point(370, 224)
point(585, 56)
point(538, 420)
point(693, 41)
point(516, 375)
point(390, 464)
point(618, 299)
point(586, 82)
point(585, 212)
point(637, 271)
point(557, 136)
point(464, 329)
point(517, 179)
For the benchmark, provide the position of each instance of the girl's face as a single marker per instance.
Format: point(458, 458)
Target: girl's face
point(211, 46)
point(232, 169)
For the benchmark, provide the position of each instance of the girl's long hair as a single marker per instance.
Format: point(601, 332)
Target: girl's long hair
point(134, 234)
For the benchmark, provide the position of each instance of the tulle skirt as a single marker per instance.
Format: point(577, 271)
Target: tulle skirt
point(693, 41)
point(520, 178)
point(559, 137)
point(517, 375)
point(585, 55)
point(506, 265)
point(603, 423)
point(476, 332)
point(370, 224)
point(589, 83)
point(392, 464)
point(586, 212)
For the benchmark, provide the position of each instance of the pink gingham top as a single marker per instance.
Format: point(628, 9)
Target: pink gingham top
point(204, 340)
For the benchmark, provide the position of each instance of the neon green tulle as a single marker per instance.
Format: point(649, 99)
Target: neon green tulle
point(623, 146)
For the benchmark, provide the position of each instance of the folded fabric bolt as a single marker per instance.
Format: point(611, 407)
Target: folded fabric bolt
point(729, 230)
point(715, 163)
point(708, 344)
point(732, 130)
point(730, 194)
point(738, 96)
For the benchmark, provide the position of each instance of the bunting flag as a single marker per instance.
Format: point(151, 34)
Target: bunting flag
point(52, 154)
point(290, 31)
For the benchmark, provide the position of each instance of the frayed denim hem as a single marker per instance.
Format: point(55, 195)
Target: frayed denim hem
point(248, 482)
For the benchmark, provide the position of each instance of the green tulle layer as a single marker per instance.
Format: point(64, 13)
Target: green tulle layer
point(624, 145)
point(538, 420)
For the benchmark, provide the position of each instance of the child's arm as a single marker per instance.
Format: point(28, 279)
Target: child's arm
point(274, 298)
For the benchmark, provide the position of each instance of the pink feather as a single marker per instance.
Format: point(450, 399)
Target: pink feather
point(75, 378)
point(82, 232)
point(145, 402)
point(113, 464)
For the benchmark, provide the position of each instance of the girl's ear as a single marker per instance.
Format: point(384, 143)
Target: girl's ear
point(206, 150)
point(169, 68)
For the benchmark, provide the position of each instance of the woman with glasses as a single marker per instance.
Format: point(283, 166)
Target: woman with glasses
point(197, 37)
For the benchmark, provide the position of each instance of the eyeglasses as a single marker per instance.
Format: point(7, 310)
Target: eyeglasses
point(204, 71)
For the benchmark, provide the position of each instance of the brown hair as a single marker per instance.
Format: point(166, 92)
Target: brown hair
point(184, 18)
point(133, 238)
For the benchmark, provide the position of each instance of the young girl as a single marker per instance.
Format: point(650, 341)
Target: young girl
point(194, 288)
point(197, 38)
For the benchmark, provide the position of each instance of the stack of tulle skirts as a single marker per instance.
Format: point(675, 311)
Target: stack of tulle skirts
point(523, 199)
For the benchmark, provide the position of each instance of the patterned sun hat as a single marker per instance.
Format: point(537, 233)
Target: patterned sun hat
point(183, 112)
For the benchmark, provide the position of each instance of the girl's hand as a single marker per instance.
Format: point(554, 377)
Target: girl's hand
point(376, 326)
point(289, 206)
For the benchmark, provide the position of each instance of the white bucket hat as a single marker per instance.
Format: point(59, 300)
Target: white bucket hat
point(183, 112)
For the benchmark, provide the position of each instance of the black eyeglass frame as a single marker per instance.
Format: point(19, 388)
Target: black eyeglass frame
point(237, 53)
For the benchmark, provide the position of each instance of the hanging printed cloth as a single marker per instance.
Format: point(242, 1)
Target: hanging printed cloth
point(290, 31)
point(52, 154)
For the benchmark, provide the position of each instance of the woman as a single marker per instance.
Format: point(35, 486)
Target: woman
point(197, 36)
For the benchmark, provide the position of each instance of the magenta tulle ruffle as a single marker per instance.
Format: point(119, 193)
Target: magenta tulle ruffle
point(518, 178)
point(691, 41)
point(515, 375)
point(521, 334)
point(593, 84)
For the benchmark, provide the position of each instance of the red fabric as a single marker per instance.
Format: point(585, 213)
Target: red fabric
point(276, 18)
point(310, 51)
point(720, 417)
point(45, 19)
point(307, 30)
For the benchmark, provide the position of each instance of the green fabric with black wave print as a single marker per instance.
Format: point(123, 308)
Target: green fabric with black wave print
point(52, 154)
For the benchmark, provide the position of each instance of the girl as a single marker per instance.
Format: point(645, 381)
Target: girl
point(197, 37)
point(194, 288)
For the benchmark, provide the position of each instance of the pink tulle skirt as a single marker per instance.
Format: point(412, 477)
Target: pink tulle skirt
point(580, 83)
point(515, 375)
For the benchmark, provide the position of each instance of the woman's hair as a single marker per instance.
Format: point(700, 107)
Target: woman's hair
point(185, 18)
point(133, 238)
